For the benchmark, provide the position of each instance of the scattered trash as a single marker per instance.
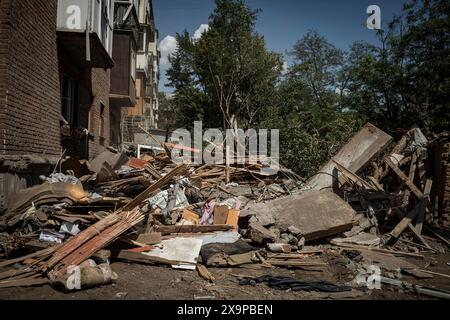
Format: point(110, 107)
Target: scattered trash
point(370, 204)
point(285, 283)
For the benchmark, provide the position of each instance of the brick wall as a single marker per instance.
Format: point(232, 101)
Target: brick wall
point(446, 176)
point(31, 109)
point(100, 93)
point(4, 45)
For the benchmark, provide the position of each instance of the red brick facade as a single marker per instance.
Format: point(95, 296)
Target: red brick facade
point(29, 80)
point(100, 93)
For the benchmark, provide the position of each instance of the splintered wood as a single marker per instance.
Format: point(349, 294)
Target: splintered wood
point(102, 233)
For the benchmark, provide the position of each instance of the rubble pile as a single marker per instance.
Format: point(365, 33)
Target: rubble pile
point(373, 202)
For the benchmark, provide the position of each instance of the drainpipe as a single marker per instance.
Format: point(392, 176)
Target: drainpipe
point(88, 28)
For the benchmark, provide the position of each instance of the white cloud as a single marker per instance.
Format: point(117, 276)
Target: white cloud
point(198, 33)
point(167, 46)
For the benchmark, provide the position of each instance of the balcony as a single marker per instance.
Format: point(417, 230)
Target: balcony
point(125, 46)
point(85, 31)
point(142, 62)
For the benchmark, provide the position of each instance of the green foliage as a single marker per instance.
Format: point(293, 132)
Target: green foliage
point(327, 94)
point(227, 72)
point(405, 81)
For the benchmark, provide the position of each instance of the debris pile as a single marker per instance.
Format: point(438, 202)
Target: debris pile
point(374, 201)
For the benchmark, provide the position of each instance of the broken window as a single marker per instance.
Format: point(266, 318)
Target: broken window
point(101, 129)
point(142, 41)
point(68, 99)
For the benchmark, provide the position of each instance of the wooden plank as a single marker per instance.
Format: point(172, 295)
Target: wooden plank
point(69, 246)
point(220, 214)
point(421, 216)
point(27, 282)
point(417, 235)
point(82, 253)
point(204, 273)
point(287, 256)
point(445, 241)
point(422, 155)
point(354, 177)
point(362, 148)
point(403, 224)
point(12, 273)
point(412, 172)
point(38, 245)
point(294, 263)
point(233, 218)
point(39, 254)
point(165, 230)
point(386, 251)
point(436, 273)
point(404, 178)
point(142, 258)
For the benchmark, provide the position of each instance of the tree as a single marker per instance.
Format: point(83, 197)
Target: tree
point(318, 63)
point(167, 111)
point(228, 72)
point(404, 81)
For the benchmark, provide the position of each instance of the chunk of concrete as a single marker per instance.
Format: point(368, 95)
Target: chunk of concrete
point(265, 218)
point(259, 234)
point(294, 231)
point(316, 214)
point(364, 146)
point(365, 239)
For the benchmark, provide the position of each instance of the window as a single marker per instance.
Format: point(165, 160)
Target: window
point(101, 128)
point(104, 21)
point(68, 99)
point(142, 41)
point(133, 63)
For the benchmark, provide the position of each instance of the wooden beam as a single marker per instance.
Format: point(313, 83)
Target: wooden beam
point(421, 216)
point(403, 224)
point(192, 228)
point(386, 251)
point(142, 258)
point(418, 236)
point(412, 172)
point(353, 176)
point(38, 254)
point(403, 177)
point(295, 263)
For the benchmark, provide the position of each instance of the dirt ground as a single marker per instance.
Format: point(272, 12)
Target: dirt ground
point(146, 282)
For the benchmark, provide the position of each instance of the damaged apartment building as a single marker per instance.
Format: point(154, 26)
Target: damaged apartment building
point(67, 78)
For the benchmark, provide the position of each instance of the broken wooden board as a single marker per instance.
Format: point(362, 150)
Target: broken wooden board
point(106, 174)
point(317, 214)
point(115, 160)
point(165, 230)
point(421, 216)
point(233, 218)
point(204, 273)
point(404, 178)
point(220, 214)
point(362, 148)
point(353, 177)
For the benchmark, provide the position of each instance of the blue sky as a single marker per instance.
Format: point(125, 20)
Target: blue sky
point(282, 22)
